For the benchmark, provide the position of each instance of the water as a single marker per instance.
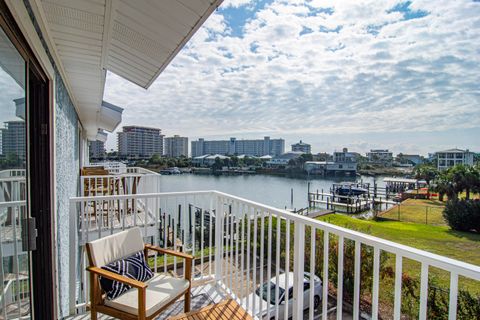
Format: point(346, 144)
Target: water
point(271, 190)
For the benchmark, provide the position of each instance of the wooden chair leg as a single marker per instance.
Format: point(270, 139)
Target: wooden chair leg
point(93, 314)
point(188, 300)
point(93, 300)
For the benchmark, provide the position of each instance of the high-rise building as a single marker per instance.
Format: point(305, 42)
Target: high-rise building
point(96, 149)
point(302, 147)
point(13, 139)
point(233, 146)
point(139, 142)
point(176, 146)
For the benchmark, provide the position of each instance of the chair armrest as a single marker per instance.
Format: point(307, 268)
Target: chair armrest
point(169, 252)
point(114, 276)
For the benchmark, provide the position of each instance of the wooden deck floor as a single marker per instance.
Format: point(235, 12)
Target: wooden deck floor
point(227, 309)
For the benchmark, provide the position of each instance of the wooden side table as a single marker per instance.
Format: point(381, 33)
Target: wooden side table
point(228, 310)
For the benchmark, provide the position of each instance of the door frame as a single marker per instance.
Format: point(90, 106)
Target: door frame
point(40, 159)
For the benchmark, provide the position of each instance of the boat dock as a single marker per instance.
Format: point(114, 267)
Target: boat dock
point(377, 198)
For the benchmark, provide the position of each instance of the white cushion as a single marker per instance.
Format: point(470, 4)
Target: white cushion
point(116, 246)
point(161, 289)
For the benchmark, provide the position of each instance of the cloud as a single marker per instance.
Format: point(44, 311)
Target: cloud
point(236, 3)
point(363, 68)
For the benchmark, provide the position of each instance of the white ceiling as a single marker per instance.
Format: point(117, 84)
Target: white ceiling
point(135, 39)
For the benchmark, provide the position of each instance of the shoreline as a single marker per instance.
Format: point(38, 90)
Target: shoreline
point(391, 171)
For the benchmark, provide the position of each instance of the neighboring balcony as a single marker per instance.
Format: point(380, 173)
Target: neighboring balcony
point(240, 245)
point(14, 268)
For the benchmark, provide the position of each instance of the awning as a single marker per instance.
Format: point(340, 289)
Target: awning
point(101, 136)
point(134, 39)
point(110, 116)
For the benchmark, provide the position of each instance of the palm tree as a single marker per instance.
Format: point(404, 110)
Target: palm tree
point(426, 172)
point(444, 186)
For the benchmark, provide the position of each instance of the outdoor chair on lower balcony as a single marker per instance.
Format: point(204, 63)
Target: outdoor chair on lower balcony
point(123, 286)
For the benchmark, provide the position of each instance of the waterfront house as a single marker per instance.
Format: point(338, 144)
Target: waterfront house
point(414, 159)
point(380, 157)
point(451, 157)
point(57, 53)
point(324, 168)
point(283, 159)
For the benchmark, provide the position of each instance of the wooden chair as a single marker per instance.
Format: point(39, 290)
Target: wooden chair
point(145, 300)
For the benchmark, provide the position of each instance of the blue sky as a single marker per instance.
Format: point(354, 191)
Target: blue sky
point(402, 75)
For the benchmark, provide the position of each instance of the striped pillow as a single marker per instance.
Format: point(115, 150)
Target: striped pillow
point(133, 267)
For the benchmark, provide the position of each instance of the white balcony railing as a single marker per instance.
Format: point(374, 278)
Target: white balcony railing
point(14, 274)
point(131, 181)
point(240, 244)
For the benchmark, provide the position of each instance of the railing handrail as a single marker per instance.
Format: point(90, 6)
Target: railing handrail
point(8, 204)
point(436, 260)
point(141, 195)
point(119, 175)
point(147, 171)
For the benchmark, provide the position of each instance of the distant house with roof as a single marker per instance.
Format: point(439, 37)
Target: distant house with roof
point(207, 159)
point(416, 159)
point(284, 158)
point(301, 147)
point(380, 157)
point(451, 157)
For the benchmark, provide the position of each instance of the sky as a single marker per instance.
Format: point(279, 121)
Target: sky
point(402, 75)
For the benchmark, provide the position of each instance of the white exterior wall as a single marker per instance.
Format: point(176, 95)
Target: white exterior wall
point(449, 159)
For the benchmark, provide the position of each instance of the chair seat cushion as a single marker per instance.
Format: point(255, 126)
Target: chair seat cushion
point(162, 289)
point(133, 267)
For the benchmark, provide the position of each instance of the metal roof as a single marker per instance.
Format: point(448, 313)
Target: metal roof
point(452, 150)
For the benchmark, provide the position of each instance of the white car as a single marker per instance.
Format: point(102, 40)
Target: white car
point(270, 285)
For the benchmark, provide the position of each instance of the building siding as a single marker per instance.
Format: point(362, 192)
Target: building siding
point(67, 163)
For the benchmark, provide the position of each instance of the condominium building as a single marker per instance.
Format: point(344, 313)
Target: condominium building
point(139, 142)
point(233, 146)
point(96, 149)
point(451, 157)
point(176, 146)
point(380, 156)
point(13, 139)
point(302, 147)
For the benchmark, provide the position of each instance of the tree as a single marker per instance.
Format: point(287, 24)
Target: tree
point(426, 172)
point(443, 185)
point(464, 178)
point(234, 161)
point(217, 165)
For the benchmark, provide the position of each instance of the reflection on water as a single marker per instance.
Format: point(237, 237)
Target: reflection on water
point(270, 190)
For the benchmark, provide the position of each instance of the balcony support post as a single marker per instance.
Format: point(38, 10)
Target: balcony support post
point(218, 237)
point(298, 270)
point(73, 255)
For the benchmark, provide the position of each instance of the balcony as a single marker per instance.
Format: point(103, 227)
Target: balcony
point(240, 244)
point(14, 297)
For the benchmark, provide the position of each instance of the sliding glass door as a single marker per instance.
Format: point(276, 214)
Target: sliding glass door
point(14, 266)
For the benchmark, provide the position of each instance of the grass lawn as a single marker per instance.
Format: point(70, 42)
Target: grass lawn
point(436, 239)
point(418, 211)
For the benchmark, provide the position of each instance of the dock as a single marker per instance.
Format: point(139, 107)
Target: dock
point(375, 198)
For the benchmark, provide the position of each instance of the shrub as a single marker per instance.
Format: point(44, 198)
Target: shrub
point(463, 215)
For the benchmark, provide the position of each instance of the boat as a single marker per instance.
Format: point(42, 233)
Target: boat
point(173, 170)
point(350, 190)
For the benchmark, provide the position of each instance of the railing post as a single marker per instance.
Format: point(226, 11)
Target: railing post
point(73, 257)
point(298, 270)
point(218, 237)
